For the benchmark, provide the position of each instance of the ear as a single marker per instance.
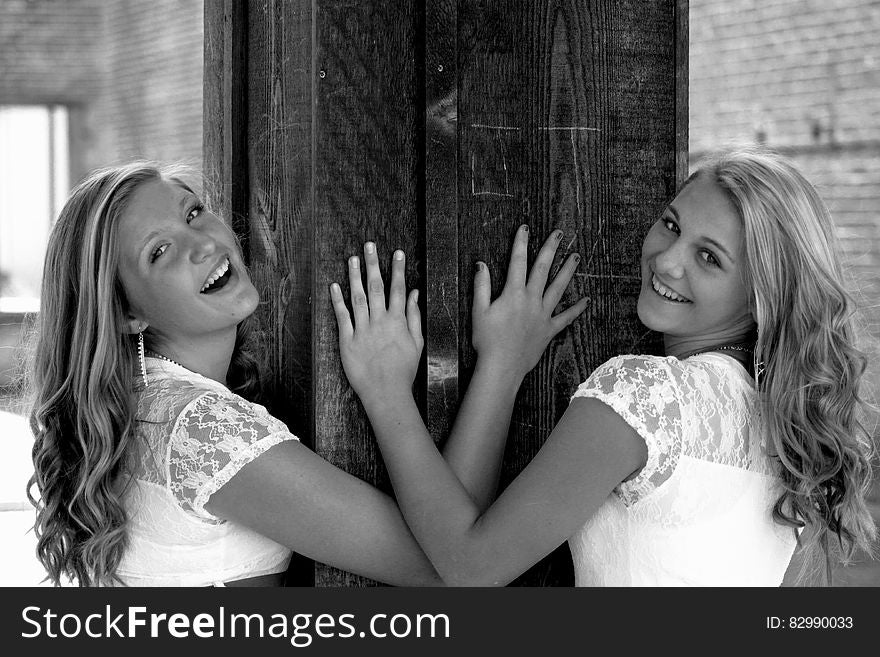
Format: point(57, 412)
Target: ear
point(132, 325)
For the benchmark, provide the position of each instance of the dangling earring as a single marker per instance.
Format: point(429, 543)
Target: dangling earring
point(141, 358)
point(759, 369)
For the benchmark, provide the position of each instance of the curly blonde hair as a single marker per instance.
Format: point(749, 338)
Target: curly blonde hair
point(808, 367)
point(81, 374)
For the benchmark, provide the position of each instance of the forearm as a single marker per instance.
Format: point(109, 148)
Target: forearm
point(438, 509)
point(476, 444)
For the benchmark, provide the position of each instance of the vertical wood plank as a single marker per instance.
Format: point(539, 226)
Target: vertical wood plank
point(280, 212)
point(368, 185)
point(566, 119)
point(682, 91)
point(224, 137)
point(441, 325)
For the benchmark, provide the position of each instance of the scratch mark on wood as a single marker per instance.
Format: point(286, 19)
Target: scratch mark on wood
point(615, 276)
point(572, 128)
point(577, 176)
point(493, 127)
point(474, 192)
point(504, 164)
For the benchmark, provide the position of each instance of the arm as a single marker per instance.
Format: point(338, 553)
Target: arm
point(296, 498)
point(509, 336)
point(588, 453)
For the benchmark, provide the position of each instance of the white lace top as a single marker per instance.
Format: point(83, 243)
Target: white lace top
point(699, 512)
point(193, 435)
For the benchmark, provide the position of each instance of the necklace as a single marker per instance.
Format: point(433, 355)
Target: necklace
point(742, 346)
point(156, 354)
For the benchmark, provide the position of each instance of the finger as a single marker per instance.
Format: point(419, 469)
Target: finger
point(542, 264)
point(516, 270)
point(359, 306)
point(560, 282)
point(397, 300)
point(482, 287)
point(414, 317)
point(343, 319)
point(567, 316)
point(375, 285)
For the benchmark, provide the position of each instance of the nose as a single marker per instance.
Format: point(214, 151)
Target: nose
point(670, 261)
point(201, 246)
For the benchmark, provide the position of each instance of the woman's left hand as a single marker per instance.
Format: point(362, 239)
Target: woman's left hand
point(381, 351)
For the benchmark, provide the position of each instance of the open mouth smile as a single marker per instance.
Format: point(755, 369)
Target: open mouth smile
point(218, 278)
point(666, 293)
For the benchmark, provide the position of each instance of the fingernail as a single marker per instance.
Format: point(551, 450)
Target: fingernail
point(558, 235)
point(577, 258)
point(479, 266)
point(334, 289)
point(398, 255)
point(369, 247)
point(525, 228)
point(355, 263)
point(416, 296)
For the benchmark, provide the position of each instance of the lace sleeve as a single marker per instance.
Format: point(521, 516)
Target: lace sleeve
point(641, 390)
point(214, 437)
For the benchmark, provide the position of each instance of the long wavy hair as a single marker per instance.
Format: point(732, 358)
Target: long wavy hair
point(808, 368)
point(81, 375)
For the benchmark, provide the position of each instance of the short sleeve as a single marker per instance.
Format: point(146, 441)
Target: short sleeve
point(643, 392)
point(214, 437)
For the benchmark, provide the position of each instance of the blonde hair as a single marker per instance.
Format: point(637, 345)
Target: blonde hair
point(82, 369)
point(808, 368)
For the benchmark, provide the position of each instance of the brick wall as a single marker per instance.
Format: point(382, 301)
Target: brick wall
point(152, 101)
point(804, 77)
point(129, 70)
point(801, 72)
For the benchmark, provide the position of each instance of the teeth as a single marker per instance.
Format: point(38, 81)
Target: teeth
point(665, 291)
point(221, 269)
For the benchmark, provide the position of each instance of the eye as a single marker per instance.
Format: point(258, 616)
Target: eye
point(709, 259)
point(670, 225)
point(159, 250)
point(194, 212)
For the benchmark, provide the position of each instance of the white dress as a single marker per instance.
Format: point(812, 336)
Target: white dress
point(699, 512)
point(192, 435)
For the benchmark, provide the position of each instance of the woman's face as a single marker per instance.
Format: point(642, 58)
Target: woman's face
point(171, 251)
point(692, 267)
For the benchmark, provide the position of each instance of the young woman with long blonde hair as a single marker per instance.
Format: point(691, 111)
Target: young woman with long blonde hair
point(698, 467)
point(153, 466)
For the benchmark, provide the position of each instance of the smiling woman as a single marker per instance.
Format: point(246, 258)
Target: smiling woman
point(699, 467)
point(693, 278)
point(187, 288)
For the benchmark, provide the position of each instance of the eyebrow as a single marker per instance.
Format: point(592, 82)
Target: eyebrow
point(714, 243)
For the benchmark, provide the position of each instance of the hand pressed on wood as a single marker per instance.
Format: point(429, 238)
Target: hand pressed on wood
point(514, 330)
point(380, 352)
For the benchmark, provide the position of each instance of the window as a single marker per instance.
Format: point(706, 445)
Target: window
point(33, 185)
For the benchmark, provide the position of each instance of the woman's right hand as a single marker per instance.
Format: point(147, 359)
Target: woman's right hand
point(514, 330)
point(380, 352)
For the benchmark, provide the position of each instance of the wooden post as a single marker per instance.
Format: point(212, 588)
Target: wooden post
point(439, 127)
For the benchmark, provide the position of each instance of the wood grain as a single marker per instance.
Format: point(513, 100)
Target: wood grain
point(368, 177)
point(439, 128)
